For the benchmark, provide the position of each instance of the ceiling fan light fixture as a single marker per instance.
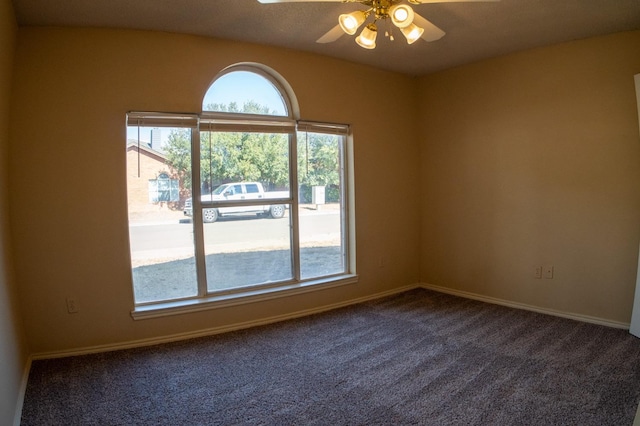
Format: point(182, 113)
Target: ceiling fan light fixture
point(412, 33)
point(350, 22)
point(367, 37)
point(401, 15)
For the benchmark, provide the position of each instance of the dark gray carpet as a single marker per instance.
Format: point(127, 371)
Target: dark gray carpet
point(418, 358)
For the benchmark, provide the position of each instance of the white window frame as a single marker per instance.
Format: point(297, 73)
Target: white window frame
point(207, 121)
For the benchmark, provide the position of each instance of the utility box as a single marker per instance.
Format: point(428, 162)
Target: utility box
point(317, 195)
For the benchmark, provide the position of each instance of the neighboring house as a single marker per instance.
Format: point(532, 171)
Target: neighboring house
point(153, 184)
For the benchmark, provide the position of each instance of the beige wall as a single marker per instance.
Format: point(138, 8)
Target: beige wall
point(534, 159)
point(13, 350)
point(529, 159)
point(72, 90)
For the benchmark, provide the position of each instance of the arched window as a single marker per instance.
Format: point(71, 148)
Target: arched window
point(163, 189)
point(240, 90)
point(268, 196)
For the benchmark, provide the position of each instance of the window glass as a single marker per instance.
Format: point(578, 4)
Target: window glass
point(321, 208)
point(161, 240)
point(246, 246)
point(230, 157)
point(164, 189)
point(244, 92)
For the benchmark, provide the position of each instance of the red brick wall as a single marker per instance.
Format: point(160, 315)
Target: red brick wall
point(139, 171)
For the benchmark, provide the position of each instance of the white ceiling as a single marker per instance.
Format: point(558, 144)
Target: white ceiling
point(474, 31)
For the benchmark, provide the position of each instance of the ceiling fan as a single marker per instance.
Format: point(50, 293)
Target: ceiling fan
point(401, 15)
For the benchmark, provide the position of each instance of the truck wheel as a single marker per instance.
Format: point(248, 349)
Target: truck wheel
point(276, 211)
point(209, 215)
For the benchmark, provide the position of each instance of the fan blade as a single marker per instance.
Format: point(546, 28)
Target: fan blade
point(431, 32)
point(332, 35)
point(298, 1)
point(438, 1)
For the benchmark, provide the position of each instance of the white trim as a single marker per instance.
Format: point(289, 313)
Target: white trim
point(22, 392)
point(176, 307)
point(634, 327)
point(524, 306)
point(217, 330)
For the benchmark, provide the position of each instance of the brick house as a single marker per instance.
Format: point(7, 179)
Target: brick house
point(153, 185)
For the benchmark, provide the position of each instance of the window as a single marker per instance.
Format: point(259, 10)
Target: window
point(320, 185)
point(262, 206)
point(161, 244)
point(163, 189)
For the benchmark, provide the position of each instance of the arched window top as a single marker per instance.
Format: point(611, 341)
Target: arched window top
point(246, 90)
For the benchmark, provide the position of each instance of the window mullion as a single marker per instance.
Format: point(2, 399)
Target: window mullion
point(293, 209)
point(344, 204)
point(348, 204)
point(198, 228)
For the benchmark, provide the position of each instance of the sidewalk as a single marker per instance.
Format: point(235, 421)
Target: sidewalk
point(166, 216)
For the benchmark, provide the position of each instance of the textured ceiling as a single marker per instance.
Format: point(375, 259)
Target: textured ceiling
point(474, 31)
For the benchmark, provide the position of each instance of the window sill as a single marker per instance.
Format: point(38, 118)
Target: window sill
point(177, 307)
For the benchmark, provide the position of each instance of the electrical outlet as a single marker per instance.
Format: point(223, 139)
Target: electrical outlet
point(548, 272)
point(537, 274)
point(72, 305)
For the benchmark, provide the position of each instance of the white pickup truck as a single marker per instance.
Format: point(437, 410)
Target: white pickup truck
point(237, 191)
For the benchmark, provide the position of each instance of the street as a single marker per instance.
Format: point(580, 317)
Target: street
point(158, 242)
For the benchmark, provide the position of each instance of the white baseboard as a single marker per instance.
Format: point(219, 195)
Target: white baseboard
point(215, 330)
point(306, 312)
point(517, 305)
point(21, 393)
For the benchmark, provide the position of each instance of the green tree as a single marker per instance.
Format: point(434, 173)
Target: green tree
point(318, 159)
point(319, 165)
point(233, 156)
point(178, 153)
point(262, 157)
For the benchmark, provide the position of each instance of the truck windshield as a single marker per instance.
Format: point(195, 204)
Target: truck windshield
point(219, 190)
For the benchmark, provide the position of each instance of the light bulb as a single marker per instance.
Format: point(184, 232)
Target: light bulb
point(349, 22)
point(401, 15)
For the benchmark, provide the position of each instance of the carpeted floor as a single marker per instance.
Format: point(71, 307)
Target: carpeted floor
point(418, 358)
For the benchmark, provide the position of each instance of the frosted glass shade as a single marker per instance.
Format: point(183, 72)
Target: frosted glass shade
point(349, 22)
point(367, 37)
point(412, 33)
